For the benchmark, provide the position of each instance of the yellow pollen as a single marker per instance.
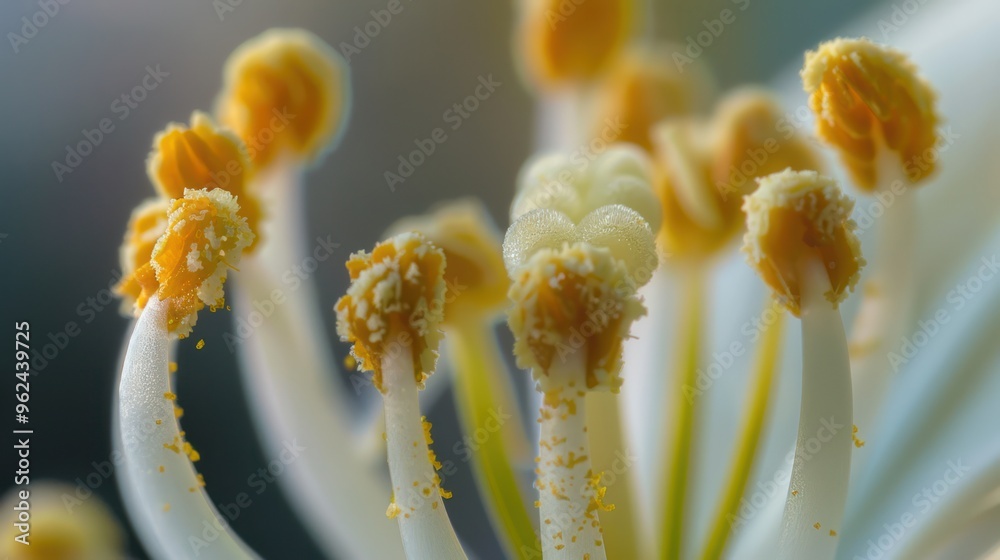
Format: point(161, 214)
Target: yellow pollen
point(797, 217)
point(559, 48)
point(189, 271)
point(869, 98)
point(858, 442)
point(475, 277)
point(201, 344)
point(285, 93)
point(396, 297)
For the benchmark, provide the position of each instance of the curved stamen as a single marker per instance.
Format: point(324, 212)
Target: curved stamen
point(392, 314)
point(801, 241)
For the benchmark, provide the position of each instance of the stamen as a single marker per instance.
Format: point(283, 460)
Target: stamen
point(477, 285)
point(882, 117)
point(286, 94)
point(801, 241)
point(203, 156)
point(561, 48)
point(572, 310)
point(391, 314)
point(204, 233)
point(608, 204)
point(869, 98)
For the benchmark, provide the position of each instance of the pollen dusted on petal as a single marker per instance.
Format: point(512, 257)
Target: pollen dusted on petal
point(202, 156)
point(476, 280)
point(869, 98)
point(285, 93)
point(560, 48)
point(796, 217)
point(576, 298)
point(205, 236)
point(395, 301)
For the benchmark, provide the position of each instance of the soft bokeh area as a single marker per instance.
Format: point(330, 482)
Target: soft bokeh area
point(61, 227)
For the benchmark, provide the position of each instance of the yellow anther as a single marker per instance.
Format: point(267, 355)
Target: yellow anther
point(644, 87)
point(706, 167)
point(147, 224)
point(476, 280)
point(574, 298)
point(568, 42)
point(286, 94)
point(205, 236)
point(60, 529)
point(395, 304)
point(795, 218)
point(869, 98)
point(202, 156)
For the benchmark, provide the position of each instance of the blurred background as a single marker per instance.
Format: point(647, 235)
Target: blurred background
point(59, 235)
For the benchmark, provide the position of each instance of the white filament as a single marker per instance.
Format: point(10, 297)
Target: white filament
point(426, 531)
point(165, 495)
point(817, 493)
